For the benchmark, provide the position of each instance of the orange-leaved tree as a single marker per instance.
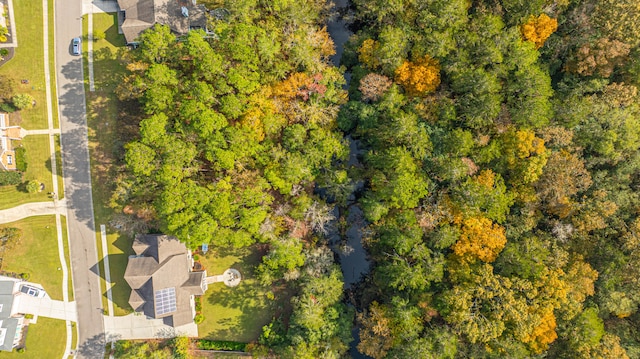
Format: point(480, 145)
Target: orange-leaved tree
point(480, 239)
point(419, 77)
point(538, 29)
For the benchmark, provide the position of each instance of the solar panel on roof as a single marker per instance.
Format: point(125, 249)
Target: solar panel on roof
point(165, 300)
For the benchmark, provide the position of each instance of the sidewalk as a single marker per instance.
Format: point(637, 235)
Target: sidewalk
point(33, 209)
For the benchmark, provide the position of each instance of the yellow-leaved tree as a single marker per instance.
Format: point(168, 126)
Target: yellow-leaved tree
point(538, 29)
point(419, 77)
point(480, 239)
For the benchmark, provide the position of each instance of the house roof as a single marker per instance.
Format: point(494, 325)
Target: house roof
point(161, 279)
point(8, 328)
point(143, 14)
point(7, 134)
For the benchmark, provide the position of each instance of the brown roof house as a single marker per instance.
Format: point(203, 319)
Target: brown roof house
point(180, 15)
point(162, 282)
point(8, 134)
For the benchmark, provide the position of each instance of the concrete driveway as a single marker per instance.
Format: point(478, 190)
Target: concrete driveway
point(138, 326)
point(46, 307)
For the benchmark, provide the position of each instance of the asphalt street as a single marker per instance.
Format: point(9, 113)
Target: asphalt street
point(76, 172)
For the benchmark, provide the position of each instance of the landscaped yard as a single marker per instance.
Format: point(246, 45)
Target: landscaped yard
point(238, 313)
point(45, 339)
point(104, 142)
point(39, 168)
point(37, 254)
point(28, 61)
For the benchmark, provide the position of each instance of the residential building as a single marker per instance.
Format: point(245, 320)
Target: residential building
point(163, 283)
point(180, 15)
point(8, 134)
point(11, 322)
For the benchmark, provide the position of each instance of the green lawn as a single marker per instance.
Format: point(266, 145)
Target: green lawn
point(39, 168)
point(45, 339)
point(28, 61)
point(104, 144)
point(65, 243)
point(237, 313)
point(59, 167)
point(37, 253)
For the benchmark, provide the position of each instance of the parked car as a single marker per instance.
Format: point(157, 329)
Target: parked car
point(32, 291)
point(75, 46)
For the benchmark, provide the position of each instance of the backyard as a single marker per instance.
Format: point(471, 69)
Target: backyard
point(235, 313)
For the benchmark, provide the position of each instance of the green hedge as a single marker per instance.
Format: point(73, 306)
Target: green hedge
point(21, 159)
point(206, 344)
point(10, 178)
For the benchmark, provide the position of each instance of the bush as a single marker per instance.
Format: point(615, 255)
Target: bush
point(33, 186)
point(20, 350)
point(10, 178)
point(21, 159)
point(206, 344)
point(25, 276)
point(22, 101)
point(28, 316)
point(7, 107)
point(99, 35)
point(199, 318)
point(4, 52)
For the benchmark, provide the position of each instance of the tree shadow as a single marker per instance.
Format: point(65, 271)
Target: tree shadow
point(93, 347)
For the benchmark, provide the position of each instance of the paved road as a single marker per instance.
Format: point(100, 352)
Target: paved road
point(75, 160)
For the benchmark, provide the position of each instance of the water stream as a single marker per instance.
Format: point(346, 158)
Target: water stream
point(347, 241)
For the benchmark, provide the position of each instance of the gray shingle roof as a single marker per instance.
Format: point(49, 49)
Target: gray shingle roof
point(163, 264)
point(143, 14)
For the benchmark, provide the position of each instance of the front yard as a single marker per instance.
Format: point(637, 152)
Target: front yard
point(104, 145)
point(37, 253)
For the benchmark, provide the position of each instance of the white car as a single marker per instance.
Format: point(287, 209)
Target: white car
point(32, 291)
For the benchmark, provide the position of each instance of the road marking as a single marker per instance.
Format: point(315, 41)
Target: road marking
point(107, 274)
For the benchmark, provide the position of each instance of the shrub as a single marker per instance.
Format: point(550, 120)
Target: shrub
point(10, 178)
point(99, 35)
point(199, 318)
point(33, 186)
point(7, 107)
point(4, 52)
point(25, 276)
point(3, 34)
point(198, 301)
point(20, 350)
point(28, 316)
point(22, 101)
point(21, 159)
point(206, 344)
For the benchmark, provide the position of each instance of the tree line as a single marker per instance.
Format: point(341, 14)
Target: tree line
point(501, 166)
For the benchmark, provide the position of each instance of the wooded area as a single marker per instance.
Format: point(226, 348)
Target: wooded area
point(501, 167)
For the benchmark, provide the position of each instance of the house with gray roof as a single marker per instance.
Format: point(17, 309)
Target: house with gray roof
point(180, 15)
point(163, 283)
point(11, 322)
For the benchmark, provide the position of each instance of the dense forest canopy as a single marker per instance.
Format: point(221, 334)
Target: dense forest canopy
point(501, 168)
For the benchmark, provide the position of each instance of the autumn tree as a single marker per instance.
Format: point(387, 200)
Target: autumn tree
point(373, 86)
point(480, 239)
point(538, 29)
point(600, 57)
point(419, 77)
